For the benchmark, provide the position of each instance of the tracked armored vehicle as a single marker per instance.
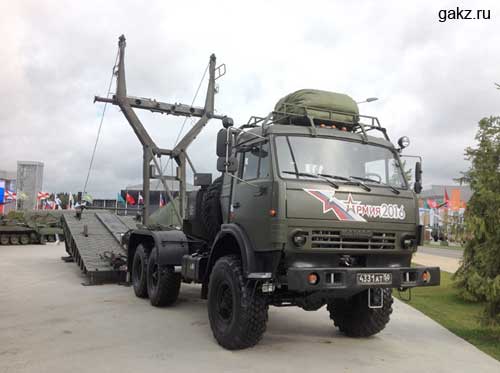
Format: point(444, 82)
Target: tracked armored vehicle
point(15, 231)
point(311, 208)
point(33, 227)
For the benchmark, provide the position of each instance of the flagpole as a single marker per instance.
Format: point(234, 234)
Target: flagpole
point(126, 202)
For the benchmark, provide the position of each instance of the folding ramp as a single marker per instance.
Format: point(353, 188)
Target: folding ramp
point(93, 242)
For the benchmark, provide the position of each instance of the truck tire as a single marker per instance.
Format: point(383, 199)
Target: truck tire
point(163, 282)
point(237, 312)
point(354, 318)
point(211, 212)
point(139, 272)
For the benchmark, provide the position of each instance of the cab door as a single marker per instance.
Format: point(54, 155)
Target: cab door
point(251, 202)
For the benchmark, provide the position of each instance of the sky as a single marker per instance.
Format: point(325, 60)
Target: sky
point(434, 80)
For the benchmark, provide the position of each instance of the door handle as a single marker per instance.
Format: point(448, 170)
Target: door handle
point(236, 205)
point(261, 192)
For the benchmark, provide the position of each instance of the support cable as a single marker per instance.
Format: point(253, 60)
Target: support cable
point(100, 125)
point(185, 120)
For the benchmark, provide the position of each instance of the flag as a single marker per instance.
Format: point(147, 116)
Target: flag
point(446, 198)
point(432, 203)
point(140, 199)
point(130, 199)
point(23, 196)
point(58, 203)
point(87, 198)
point(162, 201)
point(119, 198)
point(455, 199)
point(71, 202)
point(42, 195)
point(9, 195)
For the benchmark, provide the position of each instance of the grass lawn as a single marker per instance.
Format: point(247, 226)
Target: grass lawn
point(443, 305)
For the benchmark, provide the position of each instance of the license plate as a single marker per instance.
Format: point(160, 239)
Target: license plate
point(375, 278)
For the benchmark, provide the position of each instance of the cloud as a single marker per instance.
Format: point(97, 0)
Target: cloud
point(434, 80)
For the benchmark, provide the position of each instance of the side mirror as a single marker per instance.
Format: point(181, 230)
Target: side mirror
point(231, 165)
point(403, 142)
point(224, 142)
point(418, 178)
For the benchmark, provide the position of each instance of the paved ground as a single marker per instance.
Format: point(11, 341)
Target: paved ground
point(449, 253)
point(50, 323)
point(447, 259)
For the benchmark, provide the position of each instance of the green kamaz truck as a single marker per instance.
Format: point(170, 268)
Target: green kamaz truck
point(312, 208)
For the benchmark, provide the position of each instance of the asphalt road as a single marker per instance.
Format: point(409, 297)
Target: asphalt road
point(49, 322)
point(449, 253)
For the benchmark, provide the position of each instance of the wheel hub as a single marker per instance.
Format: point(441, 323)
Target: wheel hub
point(154, 275)
point(225, 303)
point(137, 269)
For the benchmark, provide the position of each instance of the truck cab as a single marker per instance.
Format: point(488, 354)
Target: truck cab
point(323, 199)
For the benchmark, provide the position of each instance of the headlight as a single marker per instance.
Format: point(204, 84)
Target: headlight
point(299, 239)
point(404, 142)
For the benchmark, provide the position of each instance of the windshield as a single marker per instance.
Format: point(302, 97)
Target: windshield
point(298, 156)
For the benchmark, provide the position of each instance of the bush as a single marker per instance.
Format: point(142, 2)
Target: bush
point(478, 278)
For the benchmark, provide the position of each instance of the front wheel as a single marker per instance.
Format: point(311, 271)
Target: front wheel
point(355, 319)
point(163, 282)
point(237, 311)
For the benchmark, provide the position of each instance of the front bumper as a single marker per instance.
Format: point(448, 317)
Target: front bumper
point(347, 278)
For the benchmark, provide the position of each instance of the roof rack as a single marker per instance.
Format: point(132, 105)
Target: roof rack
point(358, 123)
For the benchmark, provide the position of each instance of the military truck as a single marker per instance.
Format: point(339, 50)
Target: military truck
point(311, 209)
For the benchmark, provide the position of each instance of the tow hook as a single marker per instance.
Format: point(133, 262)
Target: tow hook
point(375, 298)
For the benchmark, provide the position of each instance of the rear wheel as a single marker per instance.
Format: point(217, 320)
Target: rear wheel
point(14, 239)
point(163, 282)
point(139, 272)
point(237, 311)
point(24, 239)
point(354, 318)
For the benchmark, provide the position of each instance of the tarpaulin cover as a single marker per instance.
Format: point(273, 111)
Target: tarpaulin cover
point(318, 104)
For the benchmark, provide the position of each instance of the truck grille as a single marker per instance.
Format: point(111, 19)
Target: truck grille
point(326, 239)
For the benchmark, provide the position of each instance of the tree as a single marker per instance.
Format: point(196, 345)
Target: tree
point(478, 278)
point(395, 178)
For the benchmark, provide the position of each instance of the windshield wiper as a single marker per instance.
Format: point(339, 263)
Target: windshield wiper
point(335, 177)
point(377, 182)
point(332, 183)
point(348, 179)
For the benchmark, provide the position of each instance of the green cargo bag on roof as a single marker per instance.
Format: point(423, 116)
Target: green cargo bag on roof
point(320, 105)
